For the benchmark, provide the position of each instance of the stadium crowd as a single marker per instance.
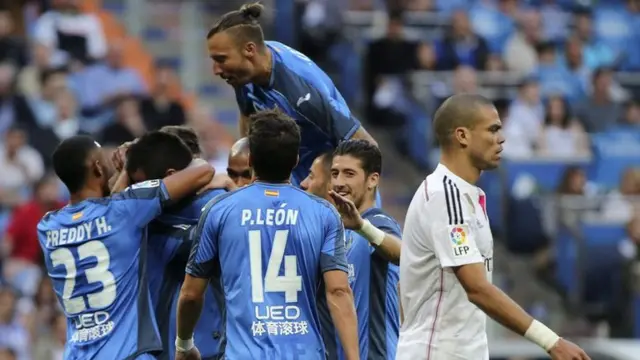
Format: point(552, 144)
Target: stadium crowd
point(59, 77)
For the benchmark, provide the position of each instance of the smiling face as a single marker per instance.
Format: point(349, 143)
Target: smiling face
point(233, 62)
point(349, 179)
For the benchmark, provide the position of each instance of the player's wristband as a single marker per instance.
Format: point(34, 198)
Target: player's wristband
point(541, 335)
point(184, 345)
point(371, 233)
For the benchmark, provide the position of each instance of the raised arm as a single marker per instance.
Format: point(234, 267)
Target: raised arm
point(188, 181)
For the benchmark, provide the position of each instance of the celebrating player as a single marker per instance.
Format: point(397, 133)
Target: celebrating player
point(293, 240)
point(447, 250)
point(94, 251)
point(239, 169)
point(373, 247)
point(318, 182)
point(268, 74)
point(156, 156)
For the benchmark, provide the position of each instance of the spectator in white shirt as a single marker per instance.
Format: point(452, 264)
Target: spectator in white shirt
point(73, 34)
point(562, 135)
point(621, 204)
point(20, 165)
point(524, 121)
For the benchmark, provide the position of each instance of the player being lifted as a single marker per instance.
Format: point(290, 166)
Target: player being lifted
point(268, 74)
point(272, 244)
point(447, 249)
point(373, 244)
point(95, 252)
point(156, 156)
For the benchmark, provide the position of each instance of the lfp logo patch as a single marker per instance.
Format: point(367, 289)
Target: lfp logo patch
point(458, 235)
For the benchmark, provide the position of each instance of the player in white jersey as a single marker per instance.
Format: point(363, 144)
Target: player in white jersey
point(447, 249)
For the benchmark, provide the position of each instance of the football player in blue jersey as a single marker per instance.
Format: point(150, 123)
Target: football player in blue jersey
point(272, 245)
point(268, 74)
point(95, 252)
point(156, 157)
point(373, 244)
point(238, 167)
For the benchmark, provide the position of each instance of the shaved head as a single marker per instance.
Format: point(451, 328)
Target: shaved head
point(458, 111)
point(238, 169)
point(240, 147)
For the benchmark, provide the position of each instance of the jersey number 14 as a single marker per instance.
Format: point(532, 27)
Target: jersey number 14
point(290, 283)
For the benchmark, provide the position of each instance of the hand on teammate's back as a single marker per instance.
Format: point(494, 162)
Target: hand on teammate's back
point(219, 181)
point(193, 354)
point(566, 350)
point(348, 211)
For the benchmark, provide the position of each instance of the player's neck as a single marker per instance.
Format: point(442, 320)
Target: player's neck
point(367, 204)
point(84, 194)
point(275, 182)
point(461, 167)
point(263, 78)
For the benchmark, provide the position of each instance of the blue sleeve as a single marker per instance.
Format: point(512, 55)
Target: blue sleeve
point(244, 104)
point(142, 202)
point(204, 247)
point(386, 224)
point(333, 254)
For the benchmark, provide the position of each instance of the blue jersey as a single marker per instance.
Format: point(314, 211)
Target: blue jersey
point(374, 281)
point(303, 91)
point(272, 243)
point(95, 254)
point(169, 247)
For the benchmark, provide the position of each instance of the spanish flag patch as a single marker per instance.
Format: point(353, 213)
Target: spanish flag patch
point(273, 193)
point(76, 216)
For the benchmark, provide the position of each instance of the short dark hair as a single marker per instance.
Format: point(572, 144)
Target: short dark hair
point(456, 111)
point(601, 71)
point(47, 74)
point(274, 140)
point(156, 152)
point(327, 159)
point(369, 154)
point(188, 136)
point(69, 161)
point(243, 23)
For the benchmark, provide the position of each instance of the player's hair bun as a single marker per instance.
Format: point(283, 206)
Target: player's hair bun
point(252, 10)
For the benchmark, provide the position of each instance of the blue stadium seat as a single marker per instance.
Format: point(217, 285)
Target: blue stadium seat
point(547, 173)
point(614, 152)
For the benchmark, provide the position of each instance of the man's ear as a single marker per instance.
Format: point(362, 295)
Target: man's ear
point(373, 180)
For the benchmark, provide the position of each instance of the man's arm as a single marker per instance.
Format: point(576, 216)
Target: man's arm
point(361, 133)
point(188, 181)
point(243, 125)
point(190, 305)
point(343, 312)
point(333, 264)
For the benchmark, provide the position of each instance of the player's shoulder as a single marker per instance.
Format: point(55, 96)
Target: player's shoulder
point(293, 69)
point(441, 186)
point(317, 203)
point(376, 213)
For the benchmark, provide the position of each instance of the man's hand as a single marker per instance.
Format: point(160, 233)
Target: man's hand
point(119, 156)
point(348, 211)
point(566, 350)
point(193, 354)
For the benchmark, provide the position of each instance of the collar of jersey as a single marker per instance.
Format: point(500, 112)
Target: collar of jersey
point(274, 54)
point(456, 179)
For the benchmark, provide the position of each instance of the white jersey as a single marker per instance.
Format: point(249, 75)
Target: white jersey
point(446, 226)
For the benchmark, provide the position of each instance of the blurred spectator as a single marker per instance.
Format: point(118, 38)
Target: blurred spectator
point(12, 49)
point(21, 238)
point(464, 80)
point(555, 21)
point(20, 165)
point(128, 126)
point(384, 72)
point(13, 106)
point(461, 46)
point(599, 112)
point(520, 50)
point(631, 117)
point(46, 307)
point(7, 354)
point(51, 345)
point(562, 135)
point(524, 121)
point(66, 125)
point(621, 204)
point(575, 62)
point(596, 53)
point(577, 198)
point(116, 80)
point(73, 34)
point(321, 28)
point(52, 83)
point(493, 20)
point(30, 78)
point(556, 79)
point(13, 334)
point(160, 109)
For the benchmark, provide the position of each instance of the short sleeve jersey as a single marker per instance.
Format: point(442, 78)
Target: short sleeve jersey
point(446, 226)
